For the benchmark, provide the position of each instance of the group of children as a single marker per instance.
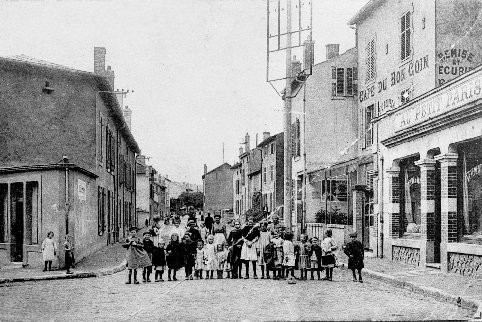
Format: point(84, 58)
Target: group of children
point(272, 250)
point(50, 252)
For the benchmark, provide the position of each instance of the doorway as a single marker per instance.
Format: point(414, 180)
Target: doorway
point(17, 222)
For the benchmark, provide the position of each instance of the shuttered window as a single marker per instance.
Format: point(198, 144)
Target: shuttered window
point(405, 37)
point(370, 61)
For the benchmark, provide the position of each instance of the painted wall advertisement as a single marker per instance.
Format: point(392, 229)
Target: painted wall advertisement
point(458, 38)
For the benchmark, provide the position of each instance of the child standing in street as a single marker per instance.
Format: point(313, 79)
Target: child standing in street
point(269, 254)
point(199, 263)
point(278, 258)
point(354, 251)
point(69, 249)
point(148, 246)
point(304, 262)
point(189, 255)
point(136, 255)
point(49, 250)
point(175, 256)
point(289, 257)
point(159, 260)
point(203, 231)
point(221, 257)
point(328, 246)
point(227, 263)
point(315, 257)
point(210, 257)
point(263, 241)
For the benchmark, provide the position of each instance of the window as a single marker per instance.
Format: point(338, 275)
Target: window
point(344, 81)
point(101, 139)
point(264, 175)
point(368, 125)
point(237, 187)
point(272, 148)
point(271, 172)
point(110, 150)
point(3, 211)
point(370, 61)
point(405, 37)
point(100, 211)
point(32, 226)
point(242, 177)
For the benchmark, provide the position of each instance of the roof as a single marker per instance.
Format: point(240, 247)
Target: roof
point(47, 167)
point(270, 139)
point(366, 11)
point(236, 165)
point(104, 88)
point(217, 168)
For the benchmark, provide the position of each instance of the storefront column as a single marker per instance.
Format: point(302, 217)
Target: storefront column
point(392, 209)
point(448, 203)
point(427, 210)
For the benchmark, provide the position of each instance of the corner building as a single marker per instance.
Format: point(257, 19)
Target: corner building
point(419, 98)
point(67, 162)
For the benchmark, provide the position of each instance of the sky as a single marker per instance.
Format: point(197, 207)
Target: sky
point(197, 67)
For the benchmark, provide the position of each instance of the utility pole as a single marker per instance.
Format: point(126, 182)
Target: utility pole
point(287, 125)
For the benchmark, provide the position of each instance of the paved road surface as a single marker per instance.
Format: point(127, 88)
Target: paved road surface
point(108, 298)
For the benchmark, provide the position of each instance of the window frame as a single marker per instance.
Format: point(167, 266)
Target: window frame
point(371, 55)
point(406, 53)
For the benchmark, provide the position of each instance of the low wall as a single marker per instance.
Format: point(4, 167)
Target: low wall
point(406, 255)
point(340, 232)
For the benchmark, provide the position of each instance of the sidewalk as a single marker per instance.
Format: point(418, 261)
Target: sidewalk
point(109, 260)
point(461, 290)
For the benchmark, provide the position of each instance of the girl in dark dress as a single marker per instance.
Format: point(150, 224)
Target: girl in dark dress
point(354, 251)
point(175, 256)
point(159, 260)
point(189, 255)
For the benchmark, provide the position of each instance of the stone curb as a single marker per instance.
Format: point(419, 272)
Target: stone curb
point(99, 273)
point(433, 292)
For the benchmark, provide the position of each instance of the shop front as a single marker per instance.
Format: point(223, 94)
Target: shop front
point(431, 158)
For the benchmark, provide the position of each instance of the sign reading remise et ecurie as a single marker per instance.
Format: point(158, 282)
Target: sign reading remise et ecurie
point(468, 90)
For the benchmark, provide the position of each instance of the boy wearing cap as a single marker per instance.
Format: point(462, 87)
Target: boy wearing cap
point(354, 251)
point(149, 248)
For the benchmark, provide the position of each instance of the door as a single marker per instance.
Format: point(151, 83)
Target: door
point(17, 222)
point(367, 218)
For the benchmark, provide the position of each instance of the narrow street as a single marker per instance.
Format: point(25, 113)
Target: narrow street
point(108, 298)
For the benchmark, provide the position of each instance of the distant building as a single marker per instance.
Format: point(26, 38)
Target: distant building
point(148, 192)
point(218, 189)
point(67, 162)
point(272, 171)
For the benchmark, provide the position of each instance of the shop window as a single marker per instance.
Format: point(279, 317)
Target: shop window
point(472, 190)
point(32, 213)
point(410, 200)
point(3, 212)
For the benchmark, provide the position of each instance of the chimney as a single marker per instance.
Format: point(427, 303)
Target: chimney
point(332, 50)
point(246, 142)
point(265, 135)
point(295, 66)
point(256, 139)
point(99, 65)
point(205, 169)
point(309, 53)
point(127, 116)
point(99, 60)
point(240, 150)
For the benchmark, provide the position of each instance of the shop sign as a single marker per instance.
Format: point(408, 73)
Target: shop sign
point(448, 99)
point(454, 62)
point(396, 77)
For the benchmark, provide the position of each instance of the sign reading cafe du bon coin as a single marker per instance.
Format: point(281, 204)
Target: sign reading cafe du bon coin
point(447, 99)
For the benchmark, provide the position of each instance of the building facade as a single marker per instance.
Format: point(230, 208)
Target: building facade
point(272, 172)
point(418, 91)
point(67, 161)
point(218, 189)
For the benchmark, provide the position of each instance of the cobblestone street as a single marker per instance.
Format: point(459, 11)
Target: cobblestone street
point(108, 298)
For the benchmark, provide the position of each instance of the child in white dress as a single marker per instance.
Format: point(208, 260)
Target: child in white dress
point(210, 257)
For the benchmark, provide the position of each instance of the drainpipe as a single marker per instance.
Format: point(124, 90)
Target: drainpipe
point(380, 208)
point(65, 160)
